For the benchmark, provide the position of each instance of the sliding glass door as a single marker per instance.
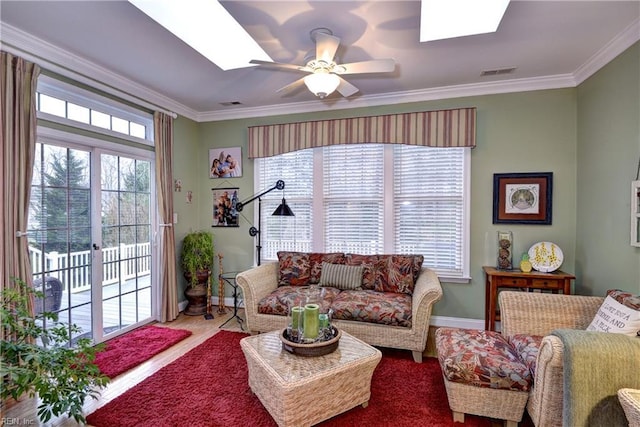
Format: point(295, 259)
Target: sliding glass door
point(90, 223)
point(60, 244)
point(126, 241)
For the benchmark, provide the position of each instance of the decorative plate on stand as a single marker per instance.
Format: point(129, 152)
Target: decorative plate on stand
point(545, 257)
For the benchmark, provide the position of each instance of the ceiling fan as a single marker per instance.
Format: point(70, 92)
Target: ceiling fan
point(324, 73)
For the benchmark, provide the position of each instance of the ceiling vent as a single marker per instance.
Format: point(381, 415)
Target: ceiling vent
point(498, 71)
point(231, 103)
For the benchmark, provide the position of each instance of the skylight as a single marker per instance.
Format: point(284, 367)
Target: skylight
point(207, 27)
point(444, 19)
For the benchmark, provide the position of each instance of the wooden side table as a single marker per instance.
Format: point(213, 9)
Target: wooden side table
point(516, 279)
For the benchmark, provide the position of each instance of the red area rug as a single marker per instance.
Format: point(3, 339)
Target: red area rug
point(131, 349)
point(208, 387)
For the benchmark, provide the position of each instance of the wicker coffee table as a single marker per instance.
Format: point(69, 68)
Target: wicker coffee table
point(302, 391)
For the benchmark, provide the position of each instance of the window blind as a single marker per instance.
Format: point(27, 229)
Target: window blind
point(429, 205)
point(371, 198)
point(353, 195)
point(286, 233)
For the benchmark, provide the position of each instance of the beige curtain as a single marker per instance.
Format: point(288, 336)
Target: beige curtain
point(17, 138)
point(441, 128)
point(163, 130)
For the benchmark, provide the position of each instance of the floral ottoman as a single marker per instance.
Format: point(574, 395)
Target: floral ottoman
point(483, 374)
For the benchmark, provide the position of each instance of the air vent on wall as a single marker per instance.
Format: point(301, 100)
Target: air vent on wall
point(231, 103)
point(498, 71)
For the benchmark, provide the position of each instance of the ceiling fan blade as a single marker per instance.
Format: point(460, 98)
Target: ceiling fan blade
point(280, 65)
point(291, 86)
point(345, 88)
point(373, 66)
point(326, 47)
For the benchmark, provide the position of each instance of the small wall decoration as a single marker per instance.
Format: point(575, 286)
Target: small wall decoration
point(225, 162)
point(224, 207)
point(522, 198)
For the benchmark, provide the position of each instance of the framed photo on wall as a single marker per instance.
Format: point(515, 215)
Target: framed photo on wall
point(522, 198)
point(225, 162)
point(224, 207)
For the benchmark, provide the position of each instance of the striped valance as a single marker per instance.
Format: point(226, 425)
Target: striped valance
point(443, 128)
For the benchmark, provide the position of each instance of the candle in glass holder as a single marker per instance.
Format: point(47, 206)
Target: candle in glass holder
point(324, 320)
point(297, 317)
point(311, 323)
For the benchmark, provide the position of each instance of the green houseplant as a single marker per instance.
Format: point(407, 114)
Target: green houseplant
point(34, 359)
point(197, 262)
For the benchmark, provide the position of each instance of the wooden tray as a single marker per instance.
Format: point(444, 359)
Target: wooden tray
point(319, 348)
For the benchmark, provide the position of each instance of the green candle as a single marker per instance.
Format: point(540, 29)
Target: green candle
point(311, 324)
point(297, 317)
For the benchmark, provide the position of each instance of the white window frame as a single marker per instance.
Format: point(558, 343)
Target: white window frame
point(85, 98)
point(317, 208)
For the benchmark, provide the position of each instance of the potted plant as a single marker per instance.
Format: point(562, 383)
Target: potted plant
point(197, 261)
point(38, 360)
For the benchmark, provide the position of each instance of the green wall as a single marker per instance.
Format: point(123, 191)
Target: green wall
point(608, 153)
point(186, 169)
point(533, 131)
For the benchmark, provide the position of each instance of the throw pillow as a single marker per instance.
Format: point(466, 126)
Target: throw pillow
point(294, 268)
point(341, 276)
point(371, 271)
point(402, 271)
point(317, 258)
point(619, 313)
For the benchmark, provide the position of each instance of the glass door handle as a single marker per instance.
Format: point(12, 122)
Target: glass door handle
point(96, 247)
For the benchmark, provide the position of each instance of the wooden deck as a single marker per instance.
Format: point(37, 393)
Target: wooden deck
point(118, 311)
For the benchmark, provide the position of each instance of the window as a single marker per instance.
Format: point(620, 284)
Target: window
point(295, 169)
point(64, 103)
point(371, 198)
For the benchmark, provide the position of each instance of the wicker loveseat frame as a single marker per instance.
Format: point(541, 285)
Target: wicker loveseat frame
point(541, 313)
point(260, 281)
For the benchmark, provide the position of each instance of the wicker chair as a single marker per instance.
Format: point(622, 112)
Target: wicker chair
point(539, 314)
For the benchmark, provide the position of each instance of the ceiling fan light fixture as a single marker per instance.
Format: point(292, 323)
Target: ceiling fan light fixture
point(322, 84)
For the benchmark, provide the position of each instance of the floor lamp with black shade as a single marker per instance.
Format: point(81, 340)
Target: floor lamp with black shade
point(282, 210)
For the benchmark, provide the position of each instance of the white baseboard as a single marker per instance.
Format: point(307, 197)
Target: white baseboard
point(457, 322)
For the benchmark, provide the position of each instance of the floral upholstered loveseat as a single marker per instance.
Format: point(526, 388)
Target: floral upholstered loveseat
point(384, 300)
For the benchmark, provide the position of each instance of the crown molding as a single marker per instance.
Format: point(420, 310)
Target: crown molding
point(605, 55)
point(445, 92)
point(50, 57)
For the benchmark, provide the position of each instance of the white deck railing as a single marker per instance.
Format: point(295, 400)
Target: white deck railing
point(119, 263)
